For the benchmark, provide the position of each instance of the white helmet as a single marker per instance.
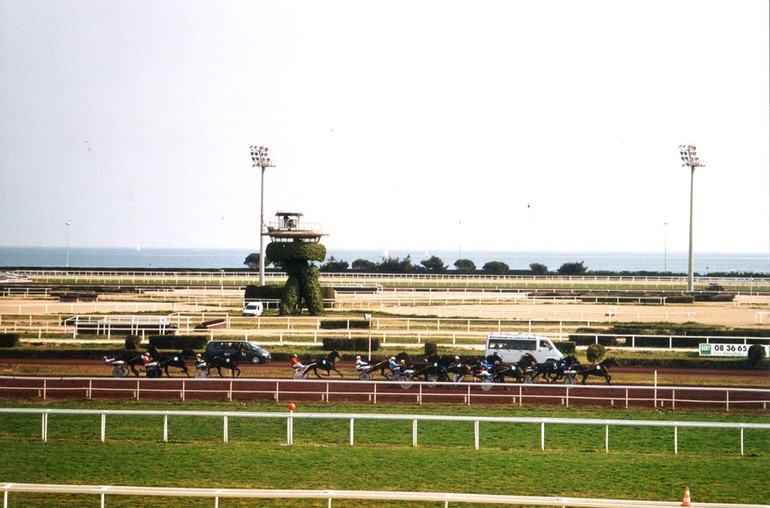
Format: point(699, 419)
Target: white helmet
point(358, 357)
point(457, 358)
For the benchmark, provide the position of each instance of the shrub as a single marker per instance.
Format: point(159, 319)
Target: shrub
point(132, 342)
point(573, 268)
point(357, 344)
point(565, 348)
point(431, 349)
point(179, 341)
point(594, 353)
point(253, 292)
point(756, 355)
point(538, 268)
point(344, 324)
point(495, 268)
point(9, 339)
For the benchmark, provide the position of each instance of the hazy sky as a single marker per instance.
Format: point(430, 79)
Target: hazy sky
point(500, 125)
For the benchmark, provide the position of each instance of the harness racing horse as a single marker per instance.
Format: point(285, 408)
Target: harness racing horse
point(553, 370)
point(227, 361)
point(383, 365)
point(516, 370)
point(166, 361)
point(326, 364)
point(600, 369)
point(433, 370)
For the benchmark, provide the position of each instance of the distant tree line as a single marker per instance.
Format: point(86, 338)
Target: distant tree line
point(433, 264)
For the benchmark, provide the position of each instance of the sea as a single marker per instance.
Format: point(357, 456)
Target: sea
point(233, 259)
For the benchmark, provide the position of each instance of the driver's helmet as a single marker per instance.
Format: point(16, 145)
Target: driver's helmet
point(402, 362)
point(457, 358)
point(392, 358)
point(294, 355)
point(198, 355)
point(358, 357)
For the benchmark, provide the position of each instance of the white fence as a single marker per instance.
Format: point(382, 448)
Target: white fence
point(419, 392)
point(441, 497)
point(475, 420)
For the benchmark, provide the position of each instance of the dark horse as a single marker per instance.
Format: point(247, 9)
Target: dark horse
point(553, 370)
point(166, 361)
point(516, 370)
point(385, 364)
point(326, 364)
point(227, 361)
point(600, 369)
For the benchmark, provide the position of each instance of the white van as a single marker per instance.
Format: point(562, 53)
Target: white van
point(512, 346)
point(253, 309)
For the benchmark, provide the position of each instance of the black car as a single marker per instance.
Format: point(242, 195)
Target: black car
point(251, 352)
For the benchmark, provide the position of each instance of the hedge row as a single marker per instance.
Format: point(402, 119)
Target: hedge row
point(9, 339)
point(344, 324)
point(357, 344)
point(179, 341)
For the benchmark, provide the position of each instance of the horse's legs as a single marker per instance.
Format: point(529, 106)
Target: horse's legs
point(607, 377)
point(338, 372)
point(219, 369)
point(187, 372)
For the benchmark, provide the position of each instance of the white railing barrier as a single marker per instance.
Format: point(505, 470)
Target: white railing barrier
point(414, 418)
point(384, 495)
point(655, 395)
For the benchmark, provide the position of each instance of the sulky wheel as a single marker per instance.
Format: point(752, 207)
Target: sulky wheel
point(120, 371)
point(205, 372)
point(570, 380)
point(298, 374)
point(365, 376)
point(486, 385)
point(457, 378)
point(432, 379)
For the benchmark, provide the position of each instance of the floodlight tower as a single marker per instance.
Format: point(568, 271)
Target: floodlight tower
point(690, 158)
point(261, 160)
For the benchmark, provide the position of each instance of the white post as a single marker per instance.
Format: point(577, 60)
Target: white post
point(165, 428)
point(414, 433)
point(676, 440)
point(104, 425)
point(476, 434)
point(351, 431)
point(225, 430)
point(542, 436)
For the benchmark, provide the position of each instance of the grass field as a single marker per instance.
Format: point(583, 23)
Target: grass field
point(641, 463)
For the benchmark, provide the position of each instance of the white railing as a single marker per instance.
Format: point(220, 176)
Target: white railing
point(384, 495)
point(419, 392)
point(290, 417)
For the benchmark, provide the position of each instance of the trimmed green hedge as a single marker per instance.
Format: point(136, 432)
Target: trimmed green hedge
point(344, 324)
point(9, 339)
point(357, 344)
point(565, 348)
point(179, 341)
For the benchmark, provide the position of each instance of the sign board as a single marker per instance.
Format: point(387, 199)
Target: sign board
point(740, 350)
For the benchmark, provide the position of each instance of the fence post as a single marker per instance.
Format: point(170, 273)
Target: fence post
point(676, 440)
point(351, 431)
point(476, 434)
point(542, 436)
point(104, 425)
point(607, 438)
point(414, 433)
point(165, 428)
point(226, 436)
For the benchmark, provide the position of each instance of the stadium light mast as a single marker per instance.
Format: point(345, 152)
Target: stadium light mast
point(690, 158)
point(261, 160)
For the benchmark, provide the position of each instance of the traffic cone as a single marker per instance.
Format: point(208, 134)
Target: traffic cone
point(686, 500)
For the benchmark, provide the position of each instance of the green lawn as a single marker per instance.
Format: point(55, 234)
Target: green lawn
point(641, 463)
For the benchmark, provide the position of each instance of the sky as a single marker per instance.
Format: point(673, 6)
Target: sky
point(425, 124)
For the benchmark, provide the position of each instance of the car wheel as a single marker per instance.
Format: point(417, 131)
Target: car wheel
point(255, 360)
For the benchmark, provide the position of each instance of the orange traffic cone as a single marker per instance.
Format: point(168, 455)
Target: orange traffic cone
point(686, 500)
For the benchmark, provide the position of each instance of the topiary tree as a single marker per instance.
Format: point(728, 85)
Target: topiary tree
point(132, 342)
point(538, 268)
point(303, 286)
point(364, 265)
point(594, 352)
point(431, 349)
point(756, 355)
